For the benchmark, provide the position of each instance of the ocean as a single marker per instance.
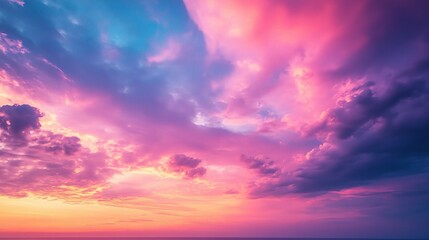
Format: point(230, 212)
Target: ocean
point(188, 238)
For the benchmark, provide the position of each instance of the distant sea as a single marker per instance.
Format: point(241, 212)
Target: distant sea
point(186, 238)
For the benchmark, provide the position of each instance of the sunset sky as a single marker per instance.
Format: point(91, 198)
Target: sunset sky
point(280, 118)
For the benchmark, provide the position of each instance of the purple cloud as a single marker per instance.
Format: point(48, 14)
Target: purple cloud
point(45, 162)
point(263, 166)
point(16, 119)
point(382, 132)
point(57, 143)
point(186, 165)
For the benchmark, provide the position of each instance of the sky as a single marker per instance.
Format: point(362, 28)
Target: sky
point(214, 118)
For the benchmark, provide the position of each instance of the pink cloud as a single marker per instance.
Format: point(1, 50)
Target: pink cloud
point(19, 2)
point(8, 45)
point(168, 53)
point(280, 66)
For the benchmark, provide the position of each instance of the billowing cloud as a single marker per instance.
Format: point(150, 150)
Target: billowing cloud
point(16, 119)
point(379, 132)
point(36, 161)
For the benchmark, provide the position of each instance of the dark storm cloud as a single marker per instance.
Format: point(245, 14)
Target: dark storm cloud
point(382, 132)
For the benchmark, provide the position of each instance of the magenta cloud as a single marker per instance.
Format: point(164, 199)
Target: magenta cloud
point(188, 166)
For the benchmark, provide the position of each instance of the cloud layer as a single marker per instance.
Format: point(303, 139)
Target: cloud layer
point(188, 109)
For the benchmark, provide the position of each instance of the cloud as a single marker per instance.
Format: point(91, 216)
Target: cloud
point(8, 45)
point(44, 162)
point(391, 45)
point(186, 165)
point(399, 201)
point(135, 76)
point(66, 71)
point(59, 144)
point(206, 78)
point(17, 119)
point(382, 131)
point(19, 2)
point(263, 166)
